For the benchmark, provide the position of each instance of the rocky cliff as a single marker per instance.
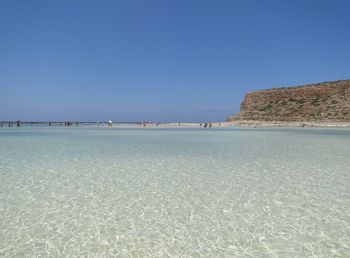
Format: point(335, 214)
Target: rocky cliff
point(327, 101)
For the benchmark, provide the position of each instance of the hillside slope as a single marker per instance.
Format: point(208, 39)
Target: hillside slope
point(327, 101)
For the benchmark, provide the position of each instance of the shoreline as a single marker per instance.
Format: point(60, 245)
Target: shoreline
point(304, 124)
point(237, 123)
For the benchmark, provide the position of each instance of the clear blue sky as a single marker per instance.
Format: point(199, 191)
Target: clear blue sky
point(162, 60)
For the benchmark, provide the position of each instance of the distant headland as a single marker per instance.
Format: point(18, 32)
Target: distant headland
point(326, 102)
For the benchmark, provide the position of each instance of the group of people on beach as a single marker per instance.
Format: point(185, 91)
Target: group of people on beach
point(11, 124)
point(68, 124)
point(144, 123)
point(206, 125)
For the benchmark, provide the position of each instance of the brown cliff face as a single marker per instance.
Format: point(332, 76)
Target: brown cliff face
point(328, 101)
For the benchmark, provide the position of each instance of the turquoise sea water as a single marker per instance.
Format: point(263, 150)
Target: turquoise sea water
point(108, 192)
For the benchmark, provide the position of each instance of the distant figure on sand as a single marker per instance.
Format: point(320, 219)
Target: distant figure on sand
point(110, 123)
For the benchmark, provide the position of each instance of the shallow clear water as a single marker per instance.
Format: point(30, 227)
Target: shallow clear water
point(174, 192)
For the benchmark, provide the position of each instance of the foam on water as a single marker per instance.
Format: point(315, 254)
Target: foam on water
point(166, 192)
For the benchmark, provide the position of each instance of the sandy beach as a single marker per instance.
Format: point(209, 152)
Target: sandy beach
point(253, 123)
point(241, 123)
